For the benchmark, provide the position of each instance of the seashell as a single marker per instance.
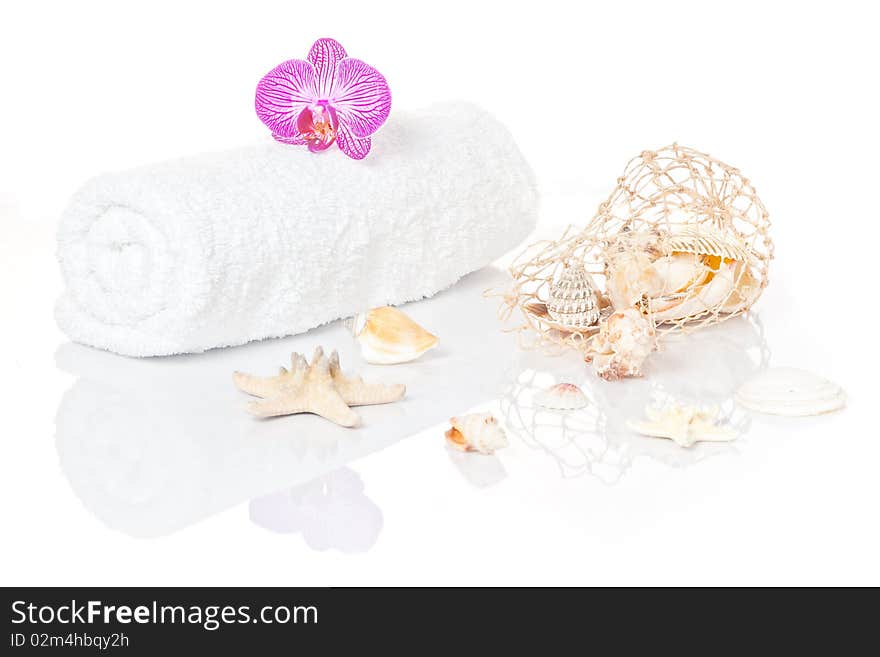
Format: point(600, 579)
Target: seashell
point(631, 277)
point(572, 300)
point(746, 292)
point(388, 336)
point(703, 239)
point(684, 425)
point(678, 272)
point(791, 392)
point(700, 295)
point(562, 396)
point(476, 432)
point(622, 344)
point(538, 311)
point(683, 274)
point(702, 271)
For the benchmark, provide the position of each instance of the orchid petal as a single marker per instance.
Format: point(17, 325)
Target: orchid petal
point(324, 56)
point(361, 97)
point(355, 148)
point(283, 93)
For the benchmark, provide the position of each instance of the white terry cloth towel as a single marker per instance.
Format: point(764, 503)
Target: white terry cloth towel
point(272, 240)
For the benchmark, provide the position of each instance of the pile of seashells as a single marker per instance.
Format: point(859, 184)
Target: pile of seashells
point(682, 242)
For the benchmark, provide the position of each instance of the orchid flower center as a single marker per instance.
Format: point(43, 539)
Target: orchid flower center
point(318, 125)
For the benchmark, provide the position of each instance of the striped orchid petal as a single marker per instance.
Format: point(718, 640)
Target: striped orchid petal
point(356, 149)
point(324, 55)
point(361, 97)
point(282, 95)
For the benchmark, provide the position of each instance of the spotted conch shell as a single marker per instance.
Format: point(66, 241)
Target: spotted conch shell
point(476, 432)
point(624, 341)
point(388, 336)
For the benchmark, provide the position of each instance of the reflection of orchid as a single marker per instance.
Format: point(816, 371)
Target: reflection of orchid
point(331, 97)
point(331, 511)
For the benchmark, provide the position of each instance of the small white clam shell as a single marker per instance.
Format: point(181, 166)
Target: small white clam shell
point(562, 396)
point(790, 392)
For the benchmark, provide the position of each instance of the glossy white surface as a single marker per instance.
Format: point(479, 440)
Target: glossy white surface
point(122, 472)
point(154, 445)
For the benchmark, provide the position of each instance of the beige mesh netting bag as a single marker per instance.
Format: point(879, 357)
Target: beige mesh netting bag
point(682, 242)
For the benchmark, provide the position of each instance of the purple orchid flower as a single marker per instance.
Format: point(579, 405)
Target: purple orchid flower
point(331, 97)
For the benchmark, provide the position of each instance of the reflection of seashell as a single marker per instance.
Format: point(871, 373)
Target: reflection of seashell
point(388, 336)
point(684, 425)
point(622, 344)
point(572, 300)
point(562, 396)
point(477, 432)
point(792, 392)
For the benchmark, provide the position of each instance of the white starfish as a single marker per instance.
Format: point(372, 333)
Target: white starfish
point(684, 425)
point(318, 387)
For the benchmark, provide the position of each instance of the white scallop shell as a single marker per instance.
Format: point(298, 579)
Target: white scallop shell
point(791, 392)
point(562, 396)
point(572, 301)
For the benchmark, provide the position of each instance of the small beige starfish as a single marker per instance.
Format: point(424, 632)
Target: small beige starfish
point(318, 387)
point(684, 425)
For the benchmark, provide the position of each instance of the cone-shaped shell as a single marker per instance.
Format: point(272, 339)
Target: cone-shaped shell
point(387, 336)
point(572, 301)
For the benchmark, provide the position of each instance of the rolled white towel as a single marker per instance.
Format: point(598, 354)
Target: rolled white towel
point(271, 240)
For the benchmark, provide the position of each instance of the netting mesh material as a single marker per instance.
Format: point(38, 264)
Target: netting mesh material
point(597, 441)
point(683, 237)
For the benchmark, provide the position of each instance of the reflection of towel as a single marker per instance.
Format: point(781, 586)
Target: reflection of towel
point(153, 445)
point(272, 240)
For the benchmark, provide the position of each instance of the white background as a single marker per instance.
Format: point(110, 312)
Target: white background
point(785, 92)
